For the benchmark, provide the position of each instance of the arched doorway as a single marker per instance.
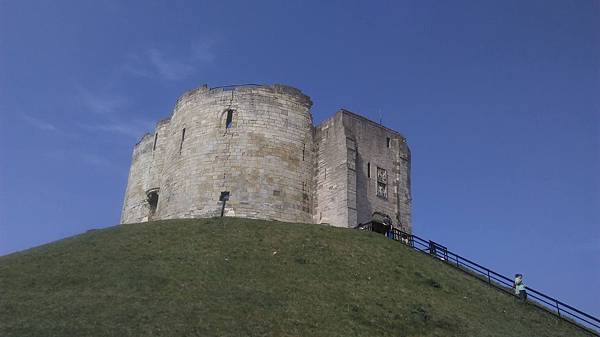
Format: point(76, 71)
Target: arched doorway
point(152, 198)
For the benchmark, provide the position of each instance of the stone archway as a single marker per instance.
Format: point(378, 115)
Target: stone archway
point(381, 222)
point(152, 199)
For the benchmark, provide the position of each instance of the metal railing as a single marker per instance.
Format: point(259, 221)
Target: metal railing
point(236, 86)
point(570, 314)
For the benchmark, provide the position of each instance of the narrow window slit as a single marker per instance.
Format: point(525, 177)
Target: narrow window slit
point(182, 139)
point(368, 169)
point(303, 151)
point(229, 121)
point(155, 140)
point(389, 142)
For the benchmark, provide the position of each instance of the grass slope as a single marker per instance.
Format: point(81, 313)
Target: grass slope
point(238, 277)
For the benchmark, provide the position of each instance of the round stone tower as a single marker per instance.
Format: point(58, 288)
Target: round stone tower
point(252, 143)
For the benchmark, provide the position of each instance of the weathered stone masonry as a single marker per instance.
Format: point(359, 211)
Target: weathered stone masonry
point(259, 143)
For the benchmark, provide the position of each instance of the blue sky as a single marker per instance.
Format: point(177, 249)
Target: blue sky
point(499, 101)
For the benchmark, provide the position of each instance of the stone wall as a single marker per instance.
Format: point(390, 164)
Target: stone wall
point(263, 159)
point(331, 160)
point(271, 159)
point(135, 206)
point(378, 147)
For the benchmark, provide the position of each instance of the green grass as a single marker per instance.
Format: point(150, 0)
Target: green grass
point(241, 277)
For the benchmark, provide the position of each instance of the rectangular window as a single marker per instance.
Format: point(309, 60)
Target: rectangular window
point(389, 141)
point(381, 183)
point(155, 140)
point(368, 170)
point(229, 121)
point(381, 190)
point(182, 139)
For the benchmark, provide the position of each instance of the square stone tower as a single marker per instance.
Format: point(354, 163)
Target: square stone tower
point(361, 168)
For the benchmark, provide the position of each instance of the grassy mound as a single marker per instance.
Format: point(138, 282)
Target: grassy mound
point(239, 277)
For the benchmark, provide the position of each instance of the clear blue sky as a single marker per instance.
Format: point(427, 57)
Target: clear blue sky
point(500, 102)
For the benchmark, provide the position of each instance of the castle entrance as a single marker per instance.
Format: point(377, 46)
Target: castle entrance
point(381, 223)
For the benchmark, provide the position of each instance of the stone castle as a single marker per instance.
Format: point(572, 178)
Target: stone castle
point(256, 146)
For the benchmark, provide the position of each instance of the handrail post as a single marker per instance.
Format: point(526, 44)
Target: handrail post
point(489, 278)
point(557, 308)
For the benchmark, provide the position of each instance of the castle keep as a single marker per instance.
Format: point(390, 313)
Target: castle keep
point(258, 145)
